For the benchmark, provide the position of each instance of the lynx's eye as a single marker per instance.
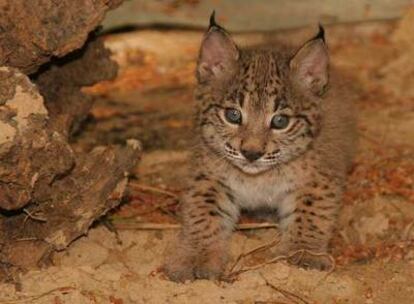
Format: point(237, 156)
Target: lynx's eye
point(233, 116)
point(279, 122)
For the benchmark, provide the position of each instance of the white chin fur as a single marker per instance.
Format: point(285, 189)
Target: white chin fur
point(252, 168)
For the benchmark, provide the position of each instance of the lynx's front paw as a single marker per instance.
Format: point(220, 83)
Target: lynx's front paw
point(210, 267)
point(179, 268)
point(183, 267)
point(305, 258)
point(312, 260)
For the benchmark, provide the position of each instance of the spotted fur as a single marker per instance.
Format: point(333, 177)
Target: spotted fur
point(301, 170)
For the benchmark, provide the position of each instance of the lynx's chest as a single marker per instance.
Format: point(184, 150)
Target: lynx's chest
point(255, 192)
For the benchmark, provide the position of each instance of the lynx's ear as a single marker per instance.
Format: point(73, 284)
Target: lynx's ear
point(310, 64)
point(218, 54)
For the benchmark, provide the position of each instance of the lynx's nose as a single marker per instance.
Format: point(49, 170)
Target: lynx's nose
point(251, 155)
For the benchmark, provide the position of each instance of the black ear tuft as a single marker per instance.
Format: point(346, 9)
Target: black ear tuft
point(320, 34)
point(213, 24)
point(213, 19)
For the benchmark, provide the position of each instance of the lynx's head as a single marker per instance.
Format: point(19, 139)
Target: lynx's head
point(259, 108)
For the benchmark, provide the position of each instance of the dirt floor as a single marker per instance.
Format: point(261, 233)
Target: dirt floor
point(118, 261)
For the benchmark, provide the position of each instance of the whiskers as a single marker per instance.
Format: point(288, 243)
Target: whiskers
point(232, 152)
point(271, 158)
point(220, 161)
point(224, 156)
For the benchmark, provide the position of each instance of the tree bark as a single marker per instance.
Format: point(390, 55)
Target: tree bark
point(49, 194)
point(32, 32)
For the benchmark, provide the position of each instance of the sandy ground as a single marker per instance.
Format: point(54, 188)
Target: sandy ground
point(151, 100)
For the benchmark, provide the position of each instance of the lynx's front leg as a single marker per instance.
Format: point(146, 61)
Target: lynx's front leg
point(308, 229)
point(208, 217)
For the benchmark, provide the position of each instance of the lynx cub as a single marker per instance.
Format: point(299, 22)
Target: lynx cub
point(270, 135)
